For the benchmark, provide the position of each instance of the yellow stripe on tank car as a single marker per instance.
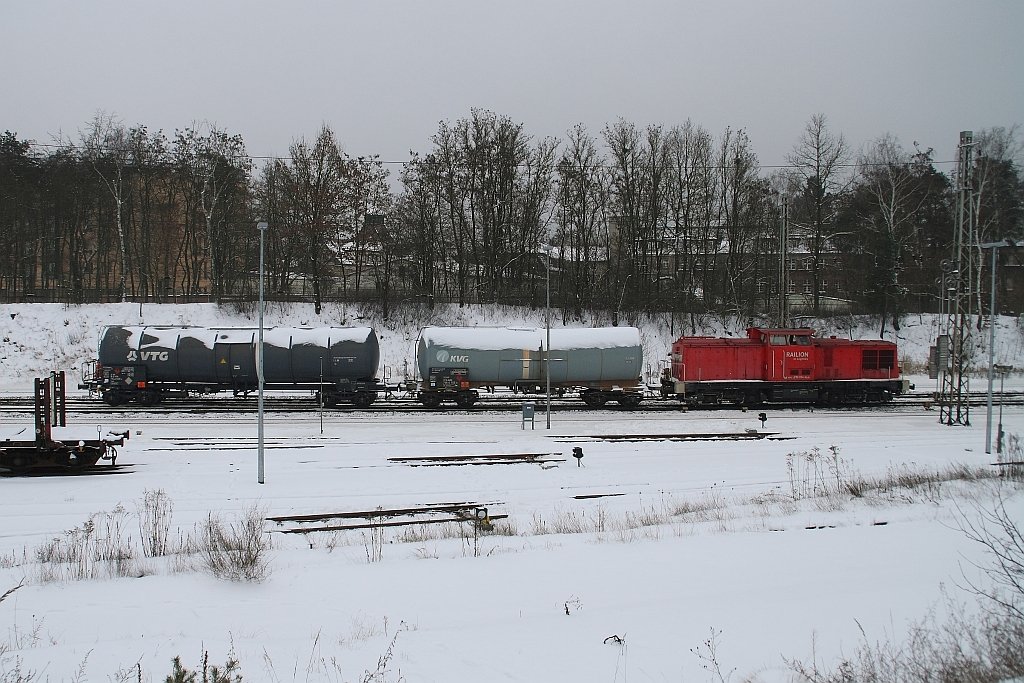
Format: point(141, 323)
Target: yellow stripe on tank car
point(526, 364)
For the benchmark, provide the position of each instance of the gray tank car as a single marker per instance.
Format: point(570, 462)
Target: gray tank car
point(602, 363)
point(148, 364)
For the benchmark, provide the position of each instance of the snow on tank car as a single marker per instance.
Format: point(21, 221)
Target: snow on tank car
point(146, 364)
point(601, 363)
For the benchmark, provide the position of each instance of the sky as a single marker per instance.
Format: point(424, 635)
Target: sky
point(662, 543)
point(384, 74)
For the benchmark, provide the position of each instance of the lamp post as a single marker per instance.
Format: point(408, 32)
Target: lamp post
point(994, 246)
point(783, 274)
point(547, 328)
point(262, 227)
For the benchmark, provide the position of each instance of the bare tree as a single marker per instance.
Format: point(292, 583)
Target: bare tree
point(581, 237)
point(741, 201)
point(691, 198)
point(819, 157)
point(314, 189)
point(106, 145)
point(217, 167)
point(887, 209)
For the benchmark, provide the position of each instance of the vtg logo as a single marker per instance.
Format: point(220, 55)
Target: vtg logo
point(147, 355)
point(445, 357)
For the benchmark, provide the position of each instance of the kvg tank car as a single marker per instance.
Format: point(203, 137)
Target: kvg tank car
point(603, 364)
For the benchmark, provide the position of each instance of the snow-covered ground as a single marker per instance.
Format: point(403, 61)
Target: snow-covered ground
point(665, 544)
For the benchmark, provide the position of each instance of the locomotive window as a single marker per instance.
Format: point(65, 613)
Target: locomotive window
point(800, 340)
point(879, 359)
point(778, 339)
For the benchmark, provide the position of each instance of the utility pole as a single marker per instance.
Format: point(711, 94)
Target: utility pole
point(783, 274)
point(954, 400)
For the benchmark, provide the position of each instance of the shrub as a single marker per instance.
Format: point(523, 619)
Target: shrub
point(210, 674)
point(237, 551)
point(155, 511)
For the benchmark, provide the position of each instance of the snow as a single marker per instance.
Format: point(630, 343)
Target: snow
point(766, 576)
point(482, 338)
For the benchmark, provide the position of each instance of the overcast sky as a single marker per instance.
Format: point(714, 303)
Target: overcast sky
point(383, 73)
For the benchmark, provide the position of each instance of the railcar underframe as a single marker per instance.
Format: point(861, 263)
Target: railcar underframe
point(755, 393)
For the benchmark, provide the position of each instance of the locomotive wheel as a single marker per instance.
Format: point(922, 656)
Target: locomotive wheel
point(465, 399)
point(594, 399)
point(430, 399)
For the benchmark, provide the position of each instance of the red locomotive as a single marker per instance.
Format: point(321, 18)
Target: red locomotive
point(782, 366)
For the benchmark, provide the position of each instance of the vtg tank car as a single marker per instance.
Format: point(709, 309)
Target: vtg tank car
point(603, 364)
point(782, 366)
point(146, 364)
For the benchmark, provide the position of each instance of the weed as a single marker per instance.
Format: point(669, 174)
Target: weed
point(237, 551)
point(155, 512)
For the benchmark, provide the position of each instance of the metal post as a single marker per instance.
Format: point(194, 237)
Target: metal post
point(994, 246)
point(547, 326)
point(262, 227)
point(999, 430)
point(783, 274)
point(991, 351)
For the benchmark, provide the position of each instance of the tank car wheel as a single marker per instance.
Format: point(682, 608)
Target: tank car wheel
point(113, 398)
point(631, 400)
point(147, 398)
point(430, 400)
point(594, 399)
point(363, 399)
point(465, 399)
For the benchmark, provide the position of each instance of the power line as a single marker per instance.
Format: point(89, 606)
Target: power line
point(714, 167)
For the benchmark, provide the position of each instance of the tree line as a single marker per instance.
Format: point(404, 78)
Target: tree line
point(667, 218)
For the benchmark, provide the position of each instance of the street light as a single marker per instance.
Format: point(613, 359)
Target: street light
point(262, 227)
point(994, 246)
point(547, 327)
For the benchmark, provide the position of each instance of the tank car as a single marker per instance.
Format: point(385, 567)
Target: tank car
point(782, 366)
point(146, 364)
point(603, 364)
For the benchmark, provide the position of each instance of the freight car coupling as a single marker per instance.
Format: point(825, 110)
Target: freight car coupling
point(46, 453)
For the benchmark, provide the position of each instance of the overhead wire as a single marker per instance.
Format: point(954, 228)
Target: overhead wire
point(256, 157)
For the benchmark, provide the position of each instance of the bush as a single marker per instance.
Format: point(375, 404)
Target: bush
point(237, 551)
point(155, 511)
point(210, 674)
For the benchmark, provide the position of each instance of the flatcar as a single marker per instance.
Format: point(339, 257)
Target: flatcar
point(782, 366)
point(146, 364)
point(603, 364)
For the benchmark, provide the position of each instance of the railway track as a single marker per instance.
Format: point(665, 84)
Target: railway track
point(82, 405)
